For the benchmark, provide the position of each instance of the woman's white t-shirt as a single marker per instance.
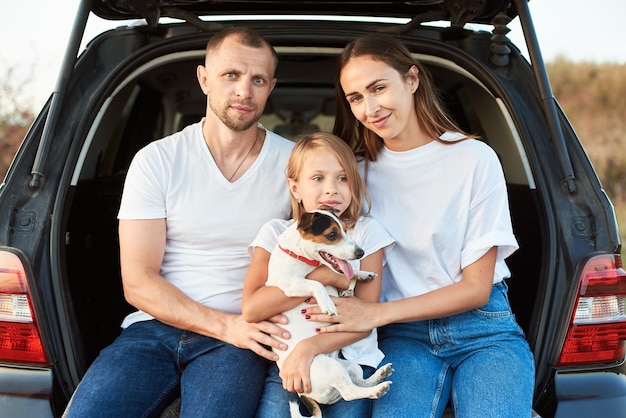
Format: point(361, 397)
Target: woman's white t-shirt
point(210, 221)
point(445, 205)
point(371, 237)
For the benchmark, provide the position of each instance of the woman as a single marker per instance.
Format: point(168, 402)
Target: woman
point(444, 320)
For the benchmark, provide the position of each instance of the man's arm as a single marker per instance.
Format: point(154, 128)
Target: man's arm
point(142, 246)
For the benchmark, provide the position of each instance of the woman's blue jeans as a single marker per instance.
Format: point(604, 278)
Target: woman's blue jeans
point(151, 363)
point(479, 360)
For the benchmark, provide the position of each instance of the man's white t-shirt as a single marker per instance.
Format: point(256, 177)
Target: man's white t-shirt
point(371, 237)
point(445, 205)
point(210, 221)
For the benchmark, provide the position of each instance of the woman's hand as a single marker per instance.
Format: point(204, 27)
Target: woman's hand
point(353, 315)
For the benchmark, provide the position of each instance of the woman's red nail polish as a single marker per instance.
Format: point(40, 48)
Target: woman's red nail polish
point(307, 316)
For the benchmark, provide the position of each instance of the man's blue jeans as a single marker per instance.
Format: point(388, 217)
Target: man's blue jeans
point(479, 360)
point(151, 363)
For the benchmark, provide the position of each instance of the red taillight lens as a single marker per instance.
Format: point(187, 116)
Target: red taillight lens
point(20, 341)
point(597, 330)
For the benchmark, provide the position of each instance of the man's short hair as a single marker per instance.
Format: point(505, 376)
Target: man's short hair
point(246, 36)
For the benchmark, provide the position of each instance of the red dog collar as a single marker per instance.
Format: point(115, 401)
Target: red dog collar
point(313, 263)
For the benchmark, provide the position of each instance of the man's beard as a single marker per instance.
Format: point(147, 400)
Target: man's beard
point(234, 123)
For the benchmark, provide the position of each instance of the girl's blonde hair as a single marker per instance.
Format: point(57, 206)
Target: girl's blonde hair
point(342, 151)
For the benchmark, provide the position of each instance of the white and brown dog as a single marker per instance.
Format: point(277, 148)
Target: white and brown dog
point(319, 237)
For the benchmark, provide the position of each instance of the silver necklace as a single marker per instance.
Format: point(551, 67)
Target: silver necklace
point(256, 139)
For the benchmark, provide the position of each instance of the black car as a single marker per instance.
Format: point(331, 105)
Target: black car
point(61, 299)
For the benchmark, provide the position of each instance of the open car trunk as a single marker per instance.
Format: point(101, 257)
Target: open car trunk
point(160, 96)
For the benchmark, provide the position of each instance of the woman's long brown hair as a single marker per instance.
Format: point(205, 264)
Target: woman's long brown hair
point(429, 109)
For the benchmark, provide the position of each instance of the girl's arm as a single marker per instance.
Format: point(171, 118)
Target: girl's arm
point(260, 302)
point(473, 291)
point(295, 372)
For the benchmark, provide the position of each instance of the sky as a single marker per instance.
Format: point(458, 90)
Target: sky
point(33, 44)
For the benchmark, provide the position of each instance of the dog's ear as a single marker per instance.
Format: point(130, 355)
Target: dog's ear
point(306, 221)
point(314, 222)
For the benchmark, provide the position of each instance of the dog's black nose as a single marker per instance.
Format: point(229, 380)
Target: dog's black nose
point(358, 252)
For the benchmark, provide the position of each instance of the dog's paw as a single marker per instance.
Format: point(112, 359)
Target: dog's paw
point(383, 388)
point(379, 390)
point(326, 305)
point(379, 375)
point(330, 310)
point(385, 371)
point(364, 276)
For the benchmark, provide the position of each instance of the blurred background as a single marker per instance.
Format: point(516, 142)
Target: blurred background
point(582, 44)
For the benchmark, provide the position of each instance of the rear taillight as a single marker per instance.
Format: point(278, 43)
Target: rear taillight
point(20, 341)
point(597, 330)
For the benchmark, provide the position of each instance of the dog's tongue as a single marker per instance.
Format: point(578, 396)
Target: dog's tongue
point(346, 268)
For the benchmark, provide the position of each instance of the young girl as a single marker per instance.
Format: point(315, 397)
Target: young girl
point(444, 321)
point(321, 171)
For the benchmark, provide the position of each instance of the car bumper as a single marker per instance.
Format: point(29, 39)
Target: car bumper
point(597, 394)
point(25, 392)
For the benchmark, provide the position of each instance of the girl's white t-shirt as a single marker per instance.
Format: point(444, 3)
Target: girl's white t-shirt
point(371, 237)
point(210, 221)
point(445, 205)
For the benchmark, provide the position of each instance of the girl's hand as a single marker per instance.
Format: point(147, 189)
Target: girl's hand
point(295, 372)
point(353, 315)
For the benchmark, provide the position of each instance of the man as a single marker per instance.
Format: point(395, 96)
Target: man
point(192, 203)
